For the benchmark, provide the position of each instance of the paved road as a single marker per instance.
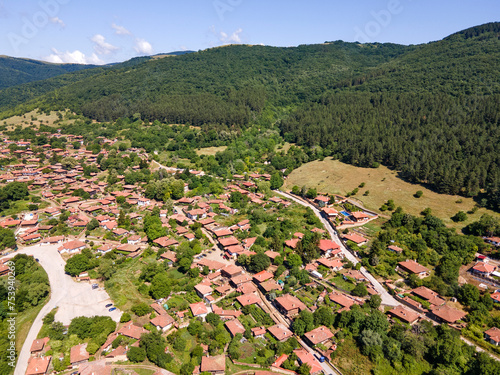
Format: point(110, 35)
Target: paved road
point(387, 299)
point(73, 299)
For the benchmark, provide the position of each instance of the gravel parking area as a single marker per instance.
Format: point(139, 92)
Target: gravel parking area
point(73, 298)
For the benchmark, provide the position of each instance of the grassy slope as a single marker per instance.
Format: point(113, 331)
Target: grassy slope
point(332, 176)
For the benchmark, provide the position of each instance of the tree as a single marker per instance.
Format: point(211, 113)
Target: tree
point(160, 286)
point(459, 217)
point(213, 319)
point(106, 269)
point(299, 327)
point(468, 294)
point(294, 260)
point(92, 224)
point(418, 194)
point(375, 301)
point(125, 318)
point(136, 354)
point(77, 264)
point(276, 180)
point(323, 316)
point(304, 369)
point(259, 262)
point(140, 309)
point(7, 239)
point(359, 290)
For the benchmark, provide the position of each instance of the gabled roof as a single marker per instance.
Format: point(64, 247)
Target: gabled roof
point(162, 320)
point(289, 302)
point(412, 266)
point(318, 335)
point(79, 353)
point(215, 363)
point(448, 314)
point(404, 314)
point(280, 331)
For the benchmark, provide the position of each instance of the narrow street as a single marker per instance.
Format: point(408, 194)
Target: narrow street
point(387, 299)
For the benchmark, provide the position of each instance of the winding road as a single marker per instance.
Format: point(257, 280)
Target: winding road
point(387, 299)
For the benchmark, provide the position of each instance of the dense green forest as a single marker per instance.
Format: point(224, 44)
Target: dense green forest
point(429, 111)
point(14, 71)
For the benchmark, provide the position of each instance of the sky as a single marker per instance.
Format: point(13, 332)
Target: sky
point(106, 31)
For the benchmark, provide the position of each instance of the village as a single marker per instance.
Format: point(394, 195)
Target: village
point(256, 292)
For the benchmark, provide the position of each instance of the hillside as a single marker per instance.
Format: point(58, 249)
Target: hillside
point(15, 71)
point(429, 111)
point(218, 85)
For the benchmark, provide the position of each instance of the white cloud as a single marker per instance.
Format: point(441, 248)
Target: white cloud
point(143, 47)
point(120, 30)
point(75, 57)
point(101, 46)
point(229, 39)
point(58, 21)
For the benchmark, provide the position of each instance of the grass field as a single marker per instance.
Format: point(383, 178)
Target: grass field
point(332, 176)
point(26, 120)
point(210, 150)
point(122, 287)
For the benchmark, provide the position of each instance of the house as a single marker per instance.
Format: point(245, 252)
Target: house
point(258, 332)
point(327, 246)
point(105, 248)
point(234, 327)
point(118, 354)
point(249, 299)
point(289, 305)
point(495, 241)
point(495, 297)
point(262, 276)
point(269, 285)
point(280, 332)
point(203, 290)
point(341, 299)
point(52, 240)
point(162, 322)
point(321, 200)
point(332, 264)
point(134, 239)
point(166, 242)
point(95, 368)
point(360, 216)
point(38, 365)
point(319, 335)
point(38, 345)
point(429, 295)
point(354, 274)
point(292, 244)
point(448, 314)
point(483, 269)
point(231, 271)
point(395, 249)
point(403, 314)
point(330, 212)
point(412, 267)
point(132, 331)
point(492, 335)
point(216, 364)
point(72, 247)
point(305, 357)
point(356, 238)
point(78, 355)
point(199, 310)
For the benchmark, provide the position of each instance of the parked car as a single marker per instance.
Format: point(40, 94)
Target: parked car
point(95, 286)
point(109, 305)
point(112, 309)
point(37, 260)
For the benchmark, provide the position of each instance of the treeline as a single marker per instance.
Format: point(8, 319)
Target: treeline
point(446, 142)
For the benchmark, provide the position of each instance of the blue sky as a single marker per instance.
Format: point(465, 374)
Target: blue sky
point(104, 31)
